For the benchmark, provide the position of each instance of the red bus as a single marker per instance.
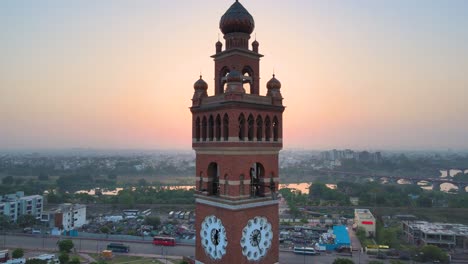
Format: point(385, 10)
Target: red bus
point(164, 241)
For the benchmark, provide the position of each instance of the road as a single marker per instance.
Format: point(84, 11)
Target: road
point(146, 248)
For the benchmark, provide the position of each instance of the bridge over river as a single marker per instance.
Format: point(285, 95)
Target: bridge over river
point(435, 182)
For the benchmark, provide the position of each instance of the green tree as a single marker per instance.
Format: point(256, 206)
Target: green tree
point(394, 261)
point(142, 182)
point(36, 261)
point(8, 180)
point(432, 253)
point(126, 197)
point(4, 222)
point(104, 230)
point(75, 260)
point(375, 262)
point(361, 234)
point(63, 258)
point(65, 245)
point(26, 221)
point(343, 261)
point(154, 221)
point(17, 253)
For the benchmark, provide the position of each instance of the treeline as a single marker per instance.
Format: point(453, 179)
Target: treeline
point(386, 195)
point(373, 194)
point(128, 197)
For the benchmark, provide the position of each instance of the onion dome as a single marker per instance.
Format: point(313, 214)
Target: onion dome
point(237, 19)
point(200, 87)
point(200, 84)
point(255, 46)
point(273, 84)
point(234, 76)
point(219, 46)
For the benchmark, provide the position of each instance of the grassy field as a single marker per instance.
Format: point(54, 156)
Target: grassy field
point(121, 259)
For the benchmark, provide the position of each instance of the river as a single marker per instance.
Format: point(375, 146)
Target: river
point(303, 187)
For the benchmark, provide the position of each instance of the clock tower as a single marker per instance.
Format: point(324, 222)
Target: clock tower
point(237, 136)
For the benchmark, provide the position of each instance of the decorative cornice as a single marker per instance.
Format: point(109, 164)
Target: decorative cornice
point(234, 206)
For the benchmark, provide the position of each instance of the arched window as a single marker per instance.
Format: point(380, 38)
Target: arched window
point(267, 129)
point(250, 123)
point(222, 79)
point(257, 174)
point(241, 127)
point(197, 129)
point(211, 128)
point(259, 128)
point(248, 78)
point(275, 128)
point(213, 179)
point(218, 128)
point(204, 127)
point(226, 127)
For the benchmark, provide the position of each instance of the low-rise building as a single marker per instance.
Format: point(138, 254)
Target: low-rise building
point(17, 204)
point(443, 235)
point(65, 217)
point(364, 218)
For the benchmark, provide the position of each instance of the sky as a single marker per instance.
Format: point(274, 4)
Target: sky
point(119, 74)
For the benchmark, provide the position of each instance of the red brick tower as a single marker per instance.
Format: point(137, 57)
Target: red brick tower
point(237, 136)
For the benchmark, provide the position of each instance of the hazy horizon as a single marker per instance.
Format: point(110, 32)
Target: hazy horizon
point(363, 75)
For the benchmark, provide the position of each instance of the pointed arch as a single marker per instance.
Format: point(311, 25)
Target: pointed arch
point(211, 128)
point(241, 127)
point(222, 79)
point(204, 128)
point(251, 125)
point(197, 129)
point(213, 178)
point(226, 127)
point(259, 128)
point(275, 129)
point(267, 129)
point(248, 74)
point(218, 128)
point(257, 175)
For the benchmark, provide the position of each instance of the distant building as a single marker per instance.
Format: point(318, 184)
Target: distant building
point(16, 204)
point(336, 156)
point(443, 235)
point(364, 218)
point(65, 217)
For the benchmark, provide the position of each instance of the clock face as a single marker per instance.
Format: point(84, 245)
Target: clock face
point(256, 238)
point(213, 237)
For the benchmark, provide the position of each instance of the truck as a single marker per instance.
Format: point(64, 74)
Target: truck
point(4, 255)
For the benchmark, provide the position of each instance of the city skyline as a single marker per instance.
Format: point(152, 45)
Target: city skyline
point(120, 74)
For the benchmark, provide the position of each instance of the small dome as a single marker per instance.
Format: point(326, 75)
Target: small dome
point(274, 83)
point(219, 44)
point(237, 19)
point(234, 76)
point(255, 43)
point(200, 84)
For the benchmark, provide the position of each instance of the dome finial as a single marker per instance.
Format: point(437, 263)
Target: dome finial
point(237, 20)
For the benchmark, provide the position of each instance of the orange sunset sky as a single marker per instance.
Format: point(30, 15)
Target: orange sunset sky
point(119, 74)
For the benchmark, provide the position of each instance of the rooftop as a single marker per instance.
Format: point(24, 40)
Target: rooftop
point(439, 228)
